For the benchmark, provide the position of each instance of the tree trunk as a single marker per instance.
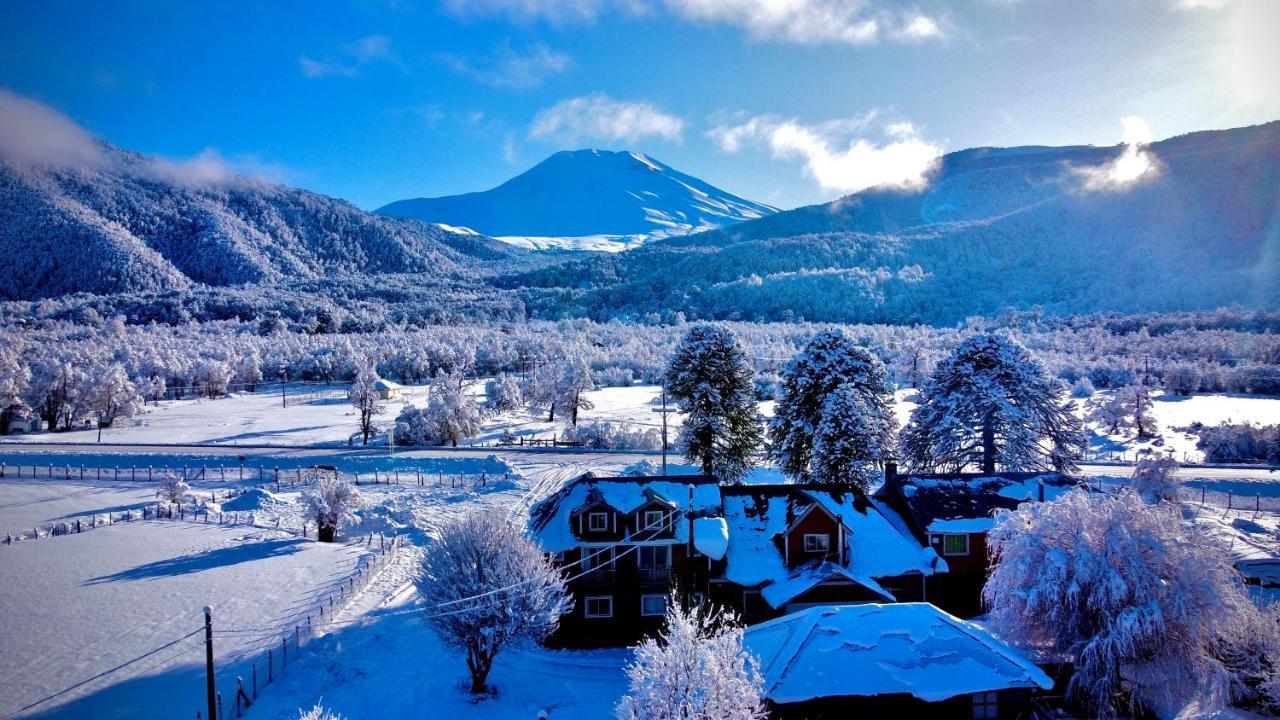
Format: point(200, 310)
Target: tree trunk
point(326, 533)
point(573, 419)
point(988, 445)
point(552, 416)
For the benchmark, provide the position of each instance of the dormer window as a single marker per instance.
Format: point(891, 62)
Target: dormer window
point(653, 519)
point(597, 522)
point(817, 542)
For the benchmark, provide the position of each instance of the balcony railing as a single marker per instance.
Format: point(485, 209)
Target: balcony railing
point(606, 576)
point(652, 576)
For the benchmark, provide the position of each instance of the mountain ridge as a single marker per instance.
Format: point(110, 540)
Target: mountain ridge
point(617, 198)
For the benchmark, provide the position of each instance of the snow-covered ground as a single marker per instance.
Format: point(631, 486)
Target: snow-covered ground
point(92, 601)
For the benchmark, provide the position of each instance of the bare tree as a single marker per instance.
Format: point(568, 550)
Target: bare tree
point(366, 400)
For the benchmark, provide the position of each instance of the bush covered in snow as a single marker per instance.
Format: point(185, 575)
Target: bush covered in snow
point(331, 502)
point(1145, 607)
point(609, 435)
point(503, 394)
point(696, 668)
point(486, 585)
point(318, 713)
point(1239, 442)
point(1156, 479)
point(173, 488)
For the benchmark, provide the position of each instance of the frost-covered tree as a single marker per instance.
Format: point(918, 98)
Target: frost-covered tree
point(156, 388)
point(851, 443)
point(366, 400)
point(696, 668)
point(486, 586)
point(710, 380)
point(1111, 413)
point(1141, 603)
point(1156, 479)
point(414, 427)
point(173, 488)
point(15, 377)
point(451, 411)
point(110, 394)
point(1136, 400)
point(829, 361)
point(318, 712)
point(503, 394)
point(250, 371)
point(575, 379)
point(55, 391)
point(213, 377)
point(1182, 379)
point(331, 502)
point(991, 403)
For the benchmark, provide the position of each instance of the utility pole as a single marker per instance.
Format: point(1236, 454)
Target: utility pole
point(284, 383)
point(664, 411)
point(210, 692)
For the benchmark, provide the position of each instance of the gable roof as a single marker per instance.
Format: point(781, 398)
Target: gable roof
point(966, 503)
point(879, 649)
point(812, 574)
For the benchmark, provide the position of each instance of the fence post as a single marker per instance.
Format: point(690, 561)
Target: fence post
point(208, 662)
point(255, 681)
point(284, 651)
point(270, 658)
point(1229, 497)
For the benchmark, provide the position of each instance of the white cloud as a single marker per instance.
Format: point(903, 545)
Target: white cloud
point(600, 117)
point(1203, 4)
point(1135, 163)
point(210, 168)
point(798, 21)
point(837, 153)
point(351, 58)
point(34, 134)
point(508, 68)
point(555, 11)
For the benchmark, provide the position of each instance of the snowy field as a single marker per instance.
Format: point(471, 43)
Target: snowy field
point(92, 601)
point(328, 420)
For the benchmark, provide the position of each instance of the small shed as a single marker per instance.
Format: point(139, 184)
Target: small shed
point(388, 390)
point(889, 660)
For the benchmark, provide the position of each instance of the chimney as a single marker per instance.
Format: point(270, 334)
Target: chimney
point(891, 475)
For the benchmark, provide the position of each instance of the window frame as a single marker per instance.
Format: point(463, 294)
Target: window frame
point(826, 542)
point(591, 525)
point(586, 607)
point(640, 565)
point(659, 596)
point(662, 519)
point(986, 705)
point(955, 553)
point(599, 558)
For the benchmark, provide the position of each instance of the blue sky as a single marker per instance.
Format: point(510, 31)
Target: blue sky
point(789, 102)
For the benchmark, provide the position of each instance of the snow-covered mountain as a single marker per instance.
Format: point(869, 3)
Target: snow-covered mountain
point(1191, 222)
point(122, 222)
point(588, 199)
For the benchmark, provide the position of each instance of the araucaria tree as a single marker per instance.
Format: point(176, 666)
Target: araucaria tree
point(331, 502)
point(365, 399)
point(486, 585)
point(852, 440)
point(991, 403)
point(697, 668)
point(711, 382)
point(1147, 609)
point(828, 362)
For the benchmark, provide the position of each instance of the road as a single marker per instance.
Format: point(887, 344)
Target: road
point(581, 458)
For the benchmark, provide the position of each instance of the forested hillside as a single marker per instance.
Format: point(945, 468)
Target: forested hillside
point(995, 228)
point(127, 223)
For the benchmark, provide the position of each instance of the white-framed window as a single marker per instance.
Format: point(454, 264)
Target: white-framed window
point(654, 519)
point(651, 605)
point(817, 542)
point(986, 706)
point(955, 544)
point(598, 521)
point(595, 558)
point(597, 606)
point(654, 557)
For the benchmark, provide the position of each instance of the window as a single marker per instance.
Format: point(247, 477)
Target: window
point(654, 557)
point(955, 544)
point(598, 606)
point(817, 542)
point(986, 706)
point(598, 521)
point(653, 519)
point(653, 605)
point(597, 558)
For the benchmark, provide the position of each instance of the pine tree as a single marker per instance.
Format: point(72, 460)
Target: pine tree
point(711, 382)
point(850, 443)
point(829, 361)
point(991, 403)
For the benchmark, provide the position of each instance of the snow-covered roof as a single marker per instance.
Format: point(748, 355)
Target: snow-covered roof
point(968, 503)
point(711, 536)
point(812, 574)
point(879, 544)
point(384, 384)
point(874, 649)
point(551, 519)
